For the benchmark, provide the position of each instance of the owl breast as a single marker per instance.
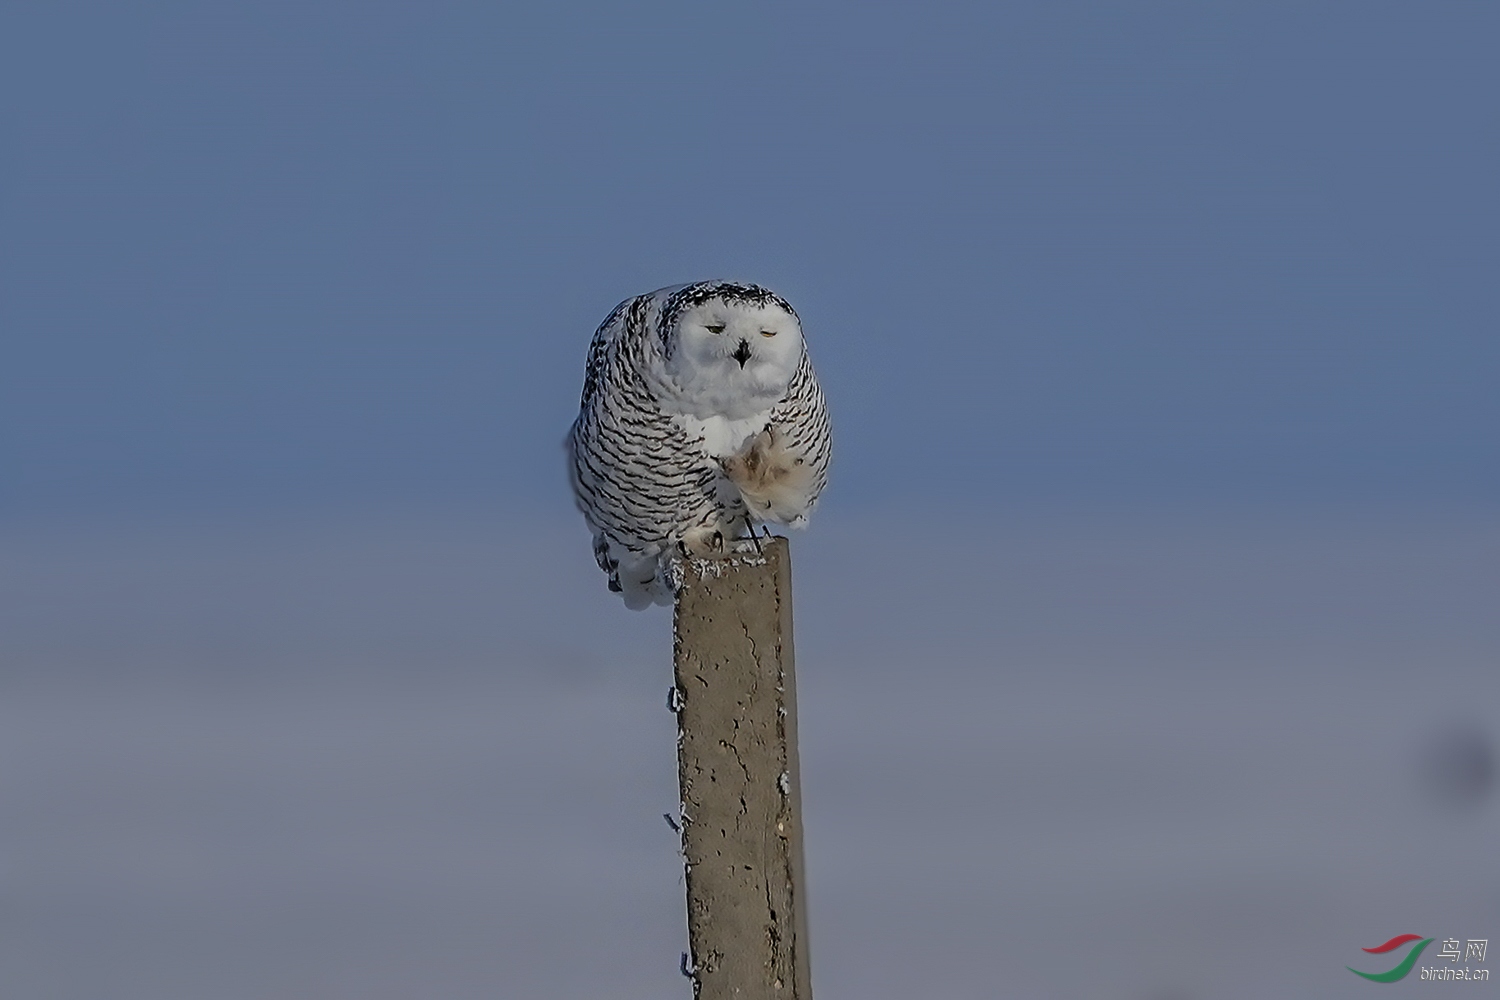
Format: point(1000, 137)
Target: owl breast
point(722, 436)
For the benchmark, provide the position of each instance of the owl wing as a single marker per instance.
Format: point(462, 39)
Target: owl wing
point(638, 477)
point(802, 419)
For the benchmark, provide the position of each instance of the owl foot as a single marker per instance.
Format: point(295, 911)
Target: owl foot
point(706, 541)
point(774, 480)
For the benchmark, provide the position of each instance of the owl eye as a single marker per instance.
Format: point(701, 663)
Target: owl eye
point(715, 328)
point(768, 333)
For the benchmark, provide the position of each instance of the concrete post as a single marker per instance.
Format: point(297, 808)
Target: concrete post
point(737, 768)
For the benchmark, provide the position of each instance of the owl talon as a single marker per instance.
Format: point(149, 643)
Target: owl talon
point(702, 542)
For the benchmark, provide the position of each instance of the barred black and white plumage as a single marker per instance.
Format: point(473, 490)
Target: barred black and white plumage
point(701, 417)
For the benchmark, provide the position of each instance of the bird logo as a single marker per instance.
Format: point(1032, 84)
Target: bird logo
point(1402, 969)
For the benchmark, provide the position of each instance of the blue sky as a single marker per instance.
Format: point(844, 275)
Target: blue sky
point(293, 255)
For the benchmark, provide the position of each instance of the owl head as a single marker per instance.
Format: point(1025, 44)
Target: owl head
point(729, 349)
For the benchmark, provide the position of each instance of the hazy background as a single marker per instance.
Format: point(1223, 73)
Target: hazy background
point(1147, 636)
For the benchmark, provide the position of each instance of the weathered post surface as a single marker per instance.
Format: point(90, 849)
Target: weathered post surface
point(737, 768)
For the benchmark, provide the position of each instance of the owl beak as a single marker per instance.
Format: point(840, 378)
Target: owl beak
point(742, 353)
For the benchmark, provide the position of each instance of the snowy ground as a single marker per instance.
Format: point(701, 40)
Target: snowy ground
point(1042, 759)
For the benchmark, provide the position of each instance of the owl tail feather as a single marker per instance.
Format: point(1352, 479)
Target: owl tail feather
point(638, 581)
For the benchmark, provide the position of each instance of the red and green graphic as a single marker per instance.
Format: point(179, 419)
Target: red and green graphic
point(1400, 971)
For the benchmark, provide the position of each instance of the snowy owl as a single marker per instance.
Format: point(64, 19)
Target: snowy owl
point(701, 417)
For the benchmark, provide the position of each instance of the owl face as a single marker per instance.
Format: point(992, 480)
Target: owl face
point(734, 352)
